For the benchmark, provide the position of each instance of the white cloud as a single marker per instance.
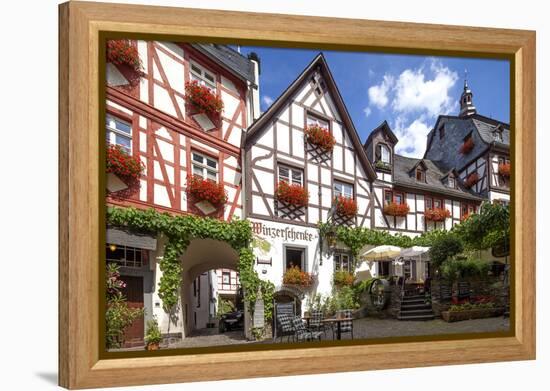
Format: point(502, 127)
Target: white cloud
point(411, 135)
point(267, 100)
point(378, 94)
point(367, 110)
point(414, 92)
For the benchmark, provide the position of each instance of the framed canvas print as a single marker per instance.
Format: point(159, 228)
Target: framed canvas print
point(241, 188)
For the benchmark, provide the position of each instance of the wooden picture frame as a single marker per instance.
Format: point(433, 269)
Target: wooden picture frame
point(80, 362)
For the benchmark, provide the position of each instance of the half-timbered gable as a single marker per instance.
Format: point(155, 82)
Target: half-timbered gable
point(173, 138)
point(277, 150)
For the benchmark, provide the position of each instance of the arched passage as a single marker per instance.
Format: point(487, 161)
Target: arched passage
point(200, 257)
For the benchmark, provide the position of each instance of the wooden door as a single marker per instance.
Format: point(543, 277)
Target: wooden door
point(134, 295)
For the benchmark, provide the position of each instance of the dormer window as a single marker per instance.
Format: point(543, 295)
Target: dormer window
point(497, 133)
point(383, 153)
point(420, 175)
point(451, 182)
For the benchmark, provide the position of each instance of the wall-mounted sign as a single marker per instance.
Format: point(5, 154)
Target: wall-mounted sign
point(264, 261)
point(259, 311)
point(287, 234)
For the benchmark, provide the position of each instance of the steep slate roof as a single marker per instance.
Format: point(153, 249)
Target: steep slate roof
point(320, 63)
point(446, 153)
point(385, 127)
point(402, 167)
point(240, 65)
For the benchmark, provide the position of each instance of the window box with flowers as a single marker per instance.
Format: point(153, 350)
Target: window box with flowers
point(295, 276)
point(395, 209)
point(294, 194)
point(343, 278)
point(467, 146)
point(125, 166)
point(202, 100)
point(436, 214)
point(125, 56)
point(504, 170)
point(201, 189)
point(320, 137)
point(345, 206)
point(381, 165)
point(471, 180)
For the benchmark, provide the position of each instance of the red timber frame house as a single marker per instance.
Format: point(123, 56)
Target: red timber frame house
point(153, 114)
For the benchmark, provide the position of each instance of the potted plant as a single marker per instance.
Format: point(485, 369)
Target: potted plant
point(504, 170)
point(467, 146)
point(127, 167)
point(343, 278)
point(206, 190)
point(153, 337)
point(471, 180)
point(320, 137)
point(202, 99)
point(122, 52)
point(437, 214)
point(395, 209)
point(291, 194)
point(295, 276)
point(345, 206)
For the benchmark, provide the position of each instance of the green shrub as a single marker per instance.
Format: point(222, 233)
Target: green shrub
point(470, 306)
point(224, 307)
point(454, 268)
point(153, 335)
point(343, 278)
point(343, 298)
point(443, 248)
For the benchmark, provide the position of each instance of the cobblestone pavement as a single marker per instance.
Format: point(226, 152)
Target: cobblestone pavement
point(362, 328)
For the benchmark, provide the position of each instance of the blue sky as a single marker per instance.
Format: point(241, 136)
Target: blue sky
point(407, 91)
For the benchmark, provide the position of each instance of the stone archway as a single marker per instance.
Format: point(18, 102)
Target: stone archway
point(202, 255)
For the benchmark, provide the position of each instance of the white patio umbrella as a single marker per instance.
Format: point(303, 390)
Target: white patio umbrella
point(414, 251)
point(381, 252)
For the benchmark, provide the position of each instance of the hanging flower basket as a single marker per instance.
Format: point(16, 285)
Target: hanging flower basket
point(292, 194)
point(345, 206)
point(467, 146)
point(129, 168)
point(394, 209)
point(121, 52)
point(471, 180)
point(320, 137)
point(437, 214)
point(202, 99)
point(295, 276)
point(504, 170)
point(206, 190)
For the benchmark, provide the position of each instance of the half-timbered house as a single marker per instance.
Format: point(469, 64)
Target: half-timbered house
point(150, 116)
point(278, 151)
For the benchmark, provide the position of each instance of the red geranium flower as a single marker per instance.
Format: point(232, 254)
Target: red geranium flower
point(467, 147)
point(292, 194)
point(320, 136)
point(119, 162)
point(471, 180)
point(394, 209)
point(345, 206)
point(121, 52)
point(436, 214)
point(504, 170)
point(295, 276)
point(202, 98)
point(206, 190)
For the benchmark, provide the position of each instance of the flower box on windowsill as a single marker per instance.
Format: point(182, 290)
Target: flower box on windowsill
point(436, 214)
point(382, 165)
point(394, 209)
point(294, 194)
point(504, 170)
point(201, 189)
point(296, 277)
point(201, 100)
point(345, 207)
point(320, 137)
point(121, 52)
point(125, 166)
point(467, 146)
point(471, 180)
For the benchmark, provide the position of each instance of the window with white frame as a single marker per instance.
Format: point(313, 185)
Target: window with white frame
point(119, 132)
point(203, 76)
point(343, 189)
point(342, 262)
point(204, 166)
point(313, 120)
point(291, 175)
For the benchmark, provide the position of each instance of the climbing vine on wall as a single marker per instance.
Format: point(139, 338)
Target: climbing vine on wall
point(179, 231)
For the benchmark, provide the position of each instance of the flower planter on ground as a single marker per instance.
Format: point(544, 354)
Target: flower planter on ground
point(201, 100)
point(320, 137)
point(471, 180)
point(504, 170)
point(394, 209)
point(467, 146)
point(345, 207)
point(456, 316)
point(436, 214)
point(125, 166)
point(294, 194)
point(201, 189)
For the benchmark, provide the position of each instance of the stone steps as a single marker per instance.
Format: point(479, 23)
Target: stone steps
point(415, 308)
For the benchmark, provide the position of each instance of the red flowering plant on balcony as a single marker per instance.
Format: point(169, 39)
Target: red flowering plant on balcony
point(206, 190)
point(345, 206)
point(119, 162)
point(202, 99)
point(122, 52)
point(467, 146)
point(320, 136)
point(295, 276)
point(471, 180)
point(504, 170)
point(437, 214)
point(395, 209)
point(291, 194)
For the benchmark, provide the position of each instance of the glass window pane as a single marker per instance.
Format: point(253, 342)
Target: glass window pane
point(197, 170)
point(196, 69)
point(123, 126)
point(197, 158)
point(284, 174)
point(211, 175)
point(125, 142)
point(212, 163)
point(297, 177)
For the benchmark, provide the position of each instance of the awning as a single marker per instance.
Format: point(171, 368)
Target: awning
point(124, 238)
point(381, 252)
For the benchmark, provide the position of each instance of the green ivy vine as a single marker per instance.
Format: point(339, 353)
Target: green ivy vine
point(179, 231)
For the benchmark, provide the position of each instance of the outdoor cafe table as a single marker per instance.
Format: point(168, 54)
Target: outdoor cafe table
point(338, 322)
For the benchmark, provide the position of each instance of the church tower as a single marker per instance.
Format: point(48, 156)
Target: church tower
point(467, 107)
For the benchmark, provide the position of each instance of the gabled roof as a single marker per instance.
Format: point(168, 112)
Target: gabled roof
point(319, 63)
point(238, 64)
point(384, 127)
point(402, 167)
